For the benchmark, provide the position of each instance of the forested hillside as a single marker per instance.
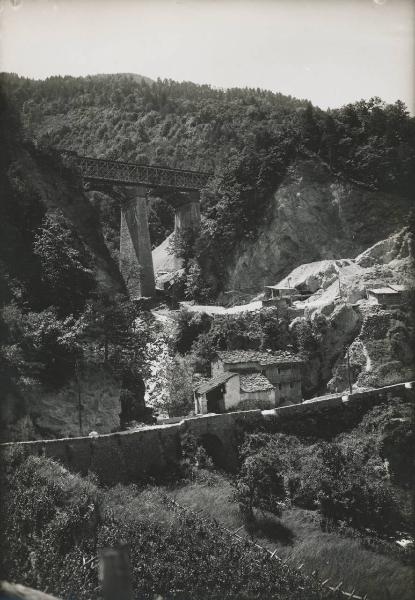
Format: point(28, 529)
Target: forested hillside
point(196, 126)
point(248, 137)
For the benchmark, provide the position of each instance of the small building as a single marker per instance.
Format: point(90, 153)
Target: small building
point(389, 295)
point(275, 295)
point(242, 377)
point(218, 394)
point(281, 368)
point(278, 291)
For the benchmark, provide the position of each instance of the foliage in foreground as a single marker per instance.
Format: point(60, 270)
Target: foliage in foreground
point(53, 519)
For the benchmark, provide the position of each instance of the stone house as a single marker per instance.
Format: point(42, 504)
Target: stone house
point(242, 378)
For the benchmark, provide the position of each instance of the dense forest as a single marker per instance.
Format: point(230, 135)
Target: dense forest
point(247, 137)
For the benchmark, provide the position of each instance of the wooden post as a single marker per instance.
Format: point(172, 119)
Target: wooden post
point(115, 574)
point(348, 371)
point(78, 383)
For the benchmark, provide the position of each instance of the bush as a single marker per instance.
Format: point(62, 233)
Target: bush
point(194, 456)
point(188, 327)
point(260, 483)
point(348, 494)
point(346, 480)
point(301, 464)
point(49, 523)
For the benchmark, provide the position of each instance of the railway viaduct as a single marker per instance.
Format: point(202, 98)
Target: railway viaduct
point(132, 183)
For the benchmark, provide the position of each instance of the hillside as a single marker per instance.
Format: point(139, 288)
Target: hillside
point(292, 183)
point(65, 323)
point(314, 215)
point(56, 520)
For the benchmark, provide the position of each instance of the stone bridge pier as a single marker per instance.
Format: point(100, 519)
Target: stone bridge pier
point(187, 214)
point(136, 262)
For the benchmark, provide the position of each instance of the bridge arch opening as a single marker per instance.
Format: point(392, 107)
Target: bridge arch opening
point(215, 450)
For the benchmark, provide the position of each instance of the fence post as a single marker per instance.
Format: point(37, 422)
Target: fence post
point(115, 574)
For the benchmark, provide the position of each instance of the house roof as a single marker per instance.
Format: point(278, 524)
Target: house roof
point(262, 358)
point(255, 382)
point(384, 290)
point(215, 382)
point(280, 287)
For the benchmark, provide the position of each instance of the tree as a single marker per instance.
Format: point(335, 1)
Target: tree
point(195, 286)
point(188, 327)
point(173, 391)
point(350, 492)
point(66, 265)
point(260, 483)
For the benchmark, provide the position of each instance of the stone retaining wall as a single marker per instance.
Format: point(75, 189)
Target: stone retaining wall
point(132, 456)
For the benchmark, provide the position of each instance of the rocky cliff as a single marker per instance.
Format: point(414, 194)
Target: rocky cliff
point(88, 403)
point(339, 315)
point(314, 215)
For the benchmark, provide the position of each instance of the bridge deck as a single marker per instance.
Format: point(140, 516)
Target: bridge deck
point(125, 173)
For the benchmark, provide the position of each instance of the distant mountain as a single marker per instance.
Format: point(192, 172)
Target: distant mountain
point(133, 76)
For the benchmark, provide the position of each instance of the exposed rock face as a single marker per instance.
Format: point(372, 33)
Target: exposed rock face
point(313, 216)
point(331, 334)
point(382, 353)
point(60, 188)
point(34, 182)
point(164, 261)
point(316, 275)
point(55, 414)
point(396, 247)
point(387, 262)
point(29, 173)
point(380, 340)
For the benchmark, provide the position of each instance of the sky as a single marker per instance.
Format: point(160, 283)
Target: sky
point(329, 51)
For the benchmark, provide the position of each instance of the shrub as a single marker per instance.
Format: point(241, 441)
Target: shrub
point(260, 483)
point(194, 456)
point(349, 494)
point(346, 479)
point(50, 519)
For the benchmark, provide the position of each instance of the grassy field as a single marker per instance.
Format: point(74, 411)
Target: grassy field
point(57, 522)
point(298, 539)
